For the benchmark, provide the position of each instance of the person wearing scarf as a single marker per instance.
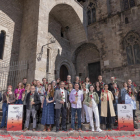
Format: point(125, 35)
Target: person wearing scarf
point(107, 108)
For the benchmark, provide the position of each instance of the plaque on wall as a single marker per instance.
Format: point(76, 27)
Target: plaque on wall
point(106, 63)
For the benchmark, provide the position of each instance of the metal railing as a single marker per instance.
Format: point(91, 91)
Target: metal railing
point(12, 73)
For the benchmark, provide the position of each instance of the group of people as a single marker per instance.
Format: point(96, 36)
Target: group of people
point(48, 101)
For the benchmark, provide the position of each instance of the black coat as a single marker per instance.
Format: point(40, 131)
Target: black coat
point(110, 87)
point(36, 100)
point(138, 96)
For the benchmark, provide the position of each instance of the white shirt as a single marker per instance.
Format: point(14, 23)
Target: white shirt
point(94, 104)
point(87, 91)
point(62, 90)
point(80, 98)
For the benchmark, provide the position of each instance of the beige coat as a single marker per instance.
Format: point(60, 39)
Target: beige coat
point(104, 104)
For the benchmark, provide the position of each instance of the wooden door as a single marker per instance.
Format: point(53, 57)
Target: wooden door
point(63, 73)
point(94, 71)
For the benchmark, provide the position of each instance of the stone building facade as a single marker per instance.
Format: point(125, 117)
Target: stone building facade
point(92, 37)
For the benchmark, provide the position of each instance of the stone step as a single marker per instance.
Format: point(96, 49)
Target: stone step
point(75, 134)
point(40, 127)
point(85, 127)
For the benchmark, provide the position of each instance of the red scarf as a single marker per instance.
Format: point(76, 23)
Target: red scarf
point(107, 96)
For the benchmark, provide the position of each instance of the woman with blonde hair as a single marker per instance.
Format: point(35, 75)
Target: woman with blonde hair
point(19, 91)
point(48, 108)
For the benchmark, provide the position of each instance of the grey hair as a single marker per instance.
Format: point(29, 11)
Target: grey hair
point(130, 80)
point(53, 81)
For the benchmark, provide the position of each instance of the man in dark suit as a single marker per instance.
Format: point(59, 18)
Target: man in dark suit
point(61, 106)
point(33, 102)
point(110, 85)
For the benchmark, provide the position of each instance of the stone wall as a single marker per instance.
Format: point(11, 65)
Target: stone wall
point(28, 44)
point(52, 16)
point(108, 35)
point(30, 25)
point(11, 13)
point(88, 54)
point(59, 50)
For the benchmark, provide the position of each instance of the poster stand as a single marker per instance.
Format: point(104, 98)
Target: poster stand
point(15, 117)
point(125, 117)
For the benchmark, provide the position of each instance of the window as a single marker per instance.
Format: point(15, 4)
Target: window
point(91, 13)
point(2, 43)
point(128, 4)
point(62, 32)
point(132, 44)
point(126, 20)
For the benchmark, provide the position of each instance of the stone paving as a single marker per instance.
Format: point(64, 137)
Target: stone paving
point(74, 135)
point(130, 137)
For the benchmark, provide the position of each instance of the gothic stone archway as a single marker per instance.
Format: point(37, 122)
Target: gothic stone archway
point(61, 49)
point(87, 62)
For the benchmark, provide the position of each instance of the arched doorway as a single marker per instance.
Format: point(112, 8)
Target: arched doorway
point(87, 62)
point(63, 73)
point(61, 49)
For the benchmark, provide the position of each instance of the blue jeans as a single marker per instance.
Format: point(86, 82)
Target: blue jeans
point(73, 111)
point(19, 101)
point(5, 112)
point(115, 107)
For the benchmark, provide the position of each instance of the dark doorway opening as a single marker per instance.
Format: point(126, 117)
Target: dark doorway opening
point(63, 73)
point(94, 71)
